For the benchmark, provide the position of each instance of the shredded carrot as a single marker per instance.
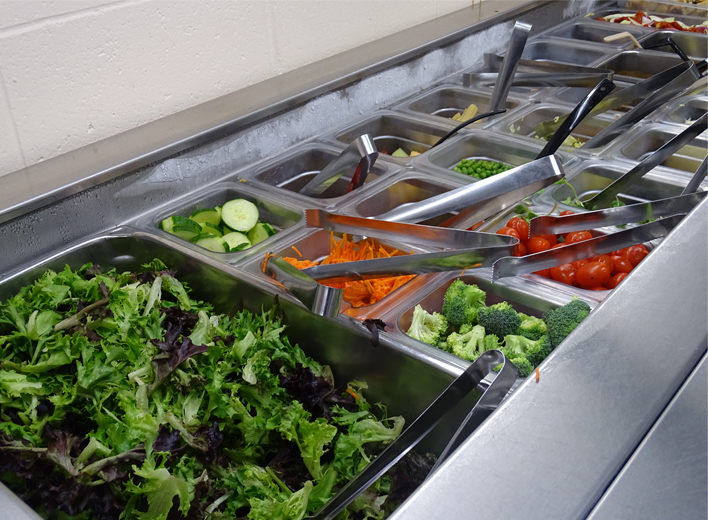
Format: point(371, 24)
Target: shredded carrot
point(353, 393)
point(470, 267)
point(268, 256)
point(358, 293)
point(298, 252)
point(538, 375)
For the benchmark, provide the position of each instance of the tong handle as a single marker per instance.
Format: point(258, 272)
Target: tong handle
point(517, 42)
point(576, 116)
point(446, 402)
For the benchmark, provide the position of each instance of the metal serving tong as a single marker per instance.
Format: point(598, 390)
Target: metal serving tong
point(515, 49)
point(606, 196)
point(623, 96)
point(320, 299)
point(697, 178)
point(548, 225)
point(514, 266)
point(531, 73)
point(362, 154)
point(445, 403)
point(687, 74)
point(487, 196)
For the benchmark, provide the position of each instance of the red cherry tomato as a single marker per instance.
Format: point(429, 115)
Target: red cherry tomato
point(556, 246)
point(520, 249)
point(509, 232)
point(579, 263)
point(598, 288)
point(636, 254)
point(604, 259)
point(620, 265)
point(546, 273)
point(616, 279)
point(564, 273)
point(593, 274)
point(552, 240)
point(577, 236)
point(537, 244)
point(567, 212)
point(520, 225)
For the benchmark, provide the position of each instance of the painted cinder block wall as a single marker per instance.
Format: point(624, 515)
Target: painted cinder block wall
point(73, 72)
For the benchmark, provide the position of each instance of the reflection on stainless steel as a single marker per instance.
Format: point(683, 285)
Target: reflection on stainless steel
point(410, 264)
point(686, 75)
point(632, 213)
point(360, 155)
point(449, 399)
point(320, 299)
point(697, 178)
point(693, 44)
point(515, 48)
point(606, 196)
point(498, 191)
point(408, 233)
point(514, 266)
point(573, 119)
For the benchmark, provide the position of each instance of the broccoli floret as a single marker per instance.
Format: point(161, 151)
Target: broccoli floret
point(467, 346)
point(426, 327)
point(523, 366)
point(499, 319)
point(465, 328)
point(562, 321)
point(532, 328)
point(461, 303)
point(534, 351)
point(491, 342)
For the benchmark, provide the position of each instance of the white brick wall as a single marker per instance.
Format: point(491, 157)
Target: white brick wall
point(76, 71)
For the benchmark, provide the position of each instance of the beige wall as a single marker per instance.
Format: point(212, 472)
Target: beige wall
point(76, 71)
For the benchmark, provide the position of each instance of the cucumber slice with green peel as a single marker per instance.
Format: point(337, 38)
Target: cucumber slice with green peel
point(236, 240)
point(260, 232)
point(240, 215)
point(185, 228)
point(167, 224)
point(218, 210)
point(211, 242)
point(208, 227)
point(210, 215)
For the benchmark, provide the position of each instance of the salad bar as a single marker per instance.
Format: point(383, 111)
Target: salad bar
point(493, 272)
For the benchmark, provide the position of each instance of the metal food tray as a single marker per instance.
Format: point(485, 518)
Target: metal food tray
point(682, 109)
point(585, 54)
point(273, 208)
point(574, 95)
point(693, 44)
point(585, 30)
point(288, 173)
point(665, 7)
point(636, 65)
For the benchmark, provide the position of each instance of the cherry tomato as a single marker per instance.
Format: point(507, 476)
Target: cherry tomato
point(564, 273)
point(556, 246)
point(598, 288)
point(616, 279)
point(552, 240)
point(520, 249)
point(520, 225)
point(566, 212)
point(509, 232)
point(620, 265)
point(593, 274)
point(577, 236)
point(537, 244)
point(546, 273)
point(636, 254)
point(604, 259)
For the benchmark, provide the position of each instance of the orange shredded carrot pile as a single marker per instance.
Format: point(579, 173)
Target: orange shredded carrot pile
point(358, 293)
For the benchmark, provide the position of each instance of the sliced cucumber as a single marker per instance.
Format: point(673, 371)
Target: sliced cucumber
point(260, 232)
point(202, 216)
point(211, 242)
point(236, 241)
point(167, 224)
point(240, 214)
point(208, 227)
point(184, 227)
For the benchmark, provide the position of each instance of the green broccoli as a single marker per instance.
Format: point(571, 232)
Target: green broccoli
point(531, 327)
point(469, 345)
point(500, 319)
point(535, 351)
point(491, 342)
point(523, 366)
point(426, 327)
point(562, 321)
point(462, 302)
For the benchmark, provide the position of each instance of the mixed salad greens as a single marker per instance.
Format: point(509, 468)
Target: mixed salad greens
point(121, 397)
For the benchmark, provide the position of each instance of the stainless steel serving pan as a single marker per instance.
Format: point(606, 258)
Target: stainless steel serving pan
point(584, 30)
